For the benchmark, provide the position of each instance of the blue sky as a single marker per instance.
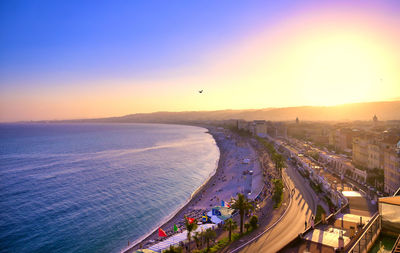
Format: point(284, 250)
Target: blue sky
point(144, 56)
point(87, 39)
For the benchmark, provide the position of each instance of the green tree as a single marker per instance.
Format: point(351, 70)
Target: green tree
point(173, 249)
point(279, 161)
point(209, 234)
point(375, 177)
point(254, 221)
point(198, 238)
point(229, 226)
point(278, 192)
point(190, 227)
point(247, 226)
point(242, 205)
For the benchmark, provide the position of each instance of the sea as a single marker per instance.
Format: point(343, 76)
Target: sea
point(95, 187)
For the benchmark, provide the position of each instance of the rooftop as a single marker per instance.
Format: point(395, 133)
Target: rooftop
point(327, 237)
point(390, 200)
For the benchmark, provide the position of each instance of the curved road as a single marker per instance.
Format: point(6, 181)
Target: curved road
point(304, 203)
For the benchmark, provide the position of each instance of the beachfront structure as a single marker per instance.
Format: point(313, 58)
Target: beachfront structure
point(220, 214)
point(177, 238)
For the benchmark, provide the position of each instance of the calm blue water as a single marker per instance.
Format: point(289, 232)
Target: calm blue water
point(93, 187)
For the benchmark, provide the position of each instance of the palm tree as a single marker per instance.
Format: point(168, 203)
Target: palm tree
point(229, 226)
point(198, 238)
point(279, 162)
point(173, 249)
point(243, 206)
point(209, 234)
point(190, 227)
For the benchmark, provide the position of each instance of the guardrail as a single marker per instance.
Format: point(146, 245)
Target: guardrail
point(368, 237)
point(327, 219)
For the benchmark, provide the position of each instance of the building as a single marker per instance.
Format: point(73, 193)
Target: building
point(389, 208)
point(242, 124)
point(342, 139)
point(343, 167)
point(375, 156)
point(360, 150)
point(391, 166)
point(259, 128)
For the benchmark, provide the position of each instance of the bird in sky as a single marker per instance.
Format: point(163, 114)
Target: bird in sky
point(200, 91)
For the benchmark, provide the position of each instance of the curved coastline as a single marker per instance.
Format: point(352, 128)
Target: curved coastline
point(169, 220)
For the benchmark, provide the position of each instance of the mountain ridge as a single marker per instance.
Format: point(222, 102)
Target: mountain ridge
point(386, 110)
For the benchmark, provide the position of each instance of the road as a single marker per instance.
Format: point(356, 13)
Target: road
point(303, 205)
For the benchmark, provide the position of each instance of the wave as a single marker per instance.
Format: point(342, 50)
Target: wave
point(71, 158)
point(170, 216)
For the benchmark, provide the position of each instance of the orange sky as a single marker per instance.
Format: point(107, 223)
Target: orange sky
point(322, 56)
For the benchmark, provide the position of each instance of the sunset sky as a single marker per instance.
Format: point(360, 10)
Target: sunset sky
point(86, 59)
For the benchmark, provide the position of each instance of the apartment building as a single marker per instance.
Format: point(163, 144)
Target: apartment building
point(360, 150)
point(391, 165)
point(343, 167)
point(256, 127)
point(259, 128)
point(341, 139)
point(242, 124)
point(375, 155)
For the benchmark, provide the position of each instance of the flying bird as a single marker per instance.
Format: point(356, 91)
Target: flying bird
point(200, 91)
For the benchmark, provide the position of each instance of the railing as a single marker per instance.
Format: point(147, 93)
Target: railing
point(396, 246)
point(397, 193)
point(328, 219)
point(368, 237)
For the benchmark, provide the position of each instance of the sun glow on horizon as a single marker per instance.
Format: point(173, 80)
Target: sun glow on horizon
point(317, 61)
point(322, 57)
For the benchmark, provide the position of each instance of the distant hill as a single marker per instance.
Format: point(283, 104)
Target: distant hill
point(346, 112)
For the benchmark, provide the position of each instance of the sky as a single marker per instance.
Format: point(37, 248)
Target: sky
point(88, 59)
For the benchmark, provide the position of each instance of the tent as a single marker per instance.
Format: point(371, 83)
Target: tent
point(144, 251)
point(177, 238)
point(220, 213)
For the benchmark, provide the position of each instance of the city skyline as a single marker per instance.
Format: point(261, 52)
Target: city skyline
point(87, 60)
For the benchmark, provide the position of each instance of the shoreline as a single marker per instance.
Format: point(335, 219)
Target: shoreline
point(216, 186)
point(169, 220)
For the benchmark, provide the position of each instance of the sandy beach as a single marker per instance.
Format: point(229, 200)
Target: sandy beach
point(227, 181)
